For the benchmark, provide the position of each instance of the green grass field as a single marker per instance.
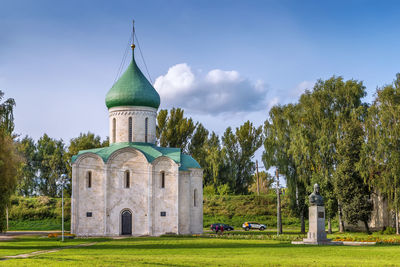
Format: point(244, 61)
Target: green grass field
point(23, 245)
point(196, 251)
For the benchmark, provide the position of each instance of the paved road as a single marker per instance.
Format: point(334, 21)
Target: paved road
point(8, 233)
point(11, 234)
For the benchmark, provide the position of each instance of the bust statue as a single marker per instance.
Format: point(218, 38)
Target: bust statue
point(315, 198)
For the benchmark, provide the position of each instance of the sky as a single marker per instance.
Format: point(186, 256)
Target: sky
point(223, 62)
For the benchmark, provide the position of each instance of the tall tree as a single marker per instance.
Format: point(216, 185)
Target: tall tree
point(50, 164)
point(198, 142)
point(351, 190)
point(174, 130)
point(7, 114)
point(322, 114)
point(381, 152)
point(9, 158)
point(27, 185)
point(216, 171)
point(9, 162)
point(240, 148)
point(279, 130)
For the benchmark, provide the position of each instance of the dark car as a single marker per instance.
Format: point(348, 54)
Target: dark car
point(226, 227)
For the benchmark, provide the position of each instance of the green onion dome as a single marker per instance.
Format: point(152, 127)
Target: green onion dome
point(132, 89)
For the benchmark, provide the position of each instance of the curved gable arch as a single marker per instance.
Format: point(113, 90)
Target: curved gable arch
point(125, 150)
point(161, 159)
point(83, 156)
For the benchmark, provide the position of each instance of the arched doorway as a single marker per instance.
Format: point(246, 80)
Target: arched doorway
point(126, 219)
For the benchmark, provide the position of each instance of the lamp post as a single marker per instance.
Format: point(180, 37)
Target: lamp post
point(62, 181)
point(278, 206)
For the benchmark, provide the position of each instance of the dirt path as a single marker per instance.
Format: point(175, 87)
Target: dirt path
point(35, 253)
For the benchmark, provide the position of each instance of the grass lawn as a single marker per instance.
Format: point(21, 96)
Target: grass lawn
point(26, 244)
point(195, 251)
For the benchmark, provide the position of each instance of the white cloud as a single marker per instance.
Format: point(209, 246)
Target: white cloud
point(219, 76)
point(273, 102)
point(179, 78)
point(216, 92)
point(301, 88)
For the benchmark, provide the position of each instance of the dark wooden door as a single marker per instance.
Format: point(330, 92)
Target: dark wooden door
point(126, 223)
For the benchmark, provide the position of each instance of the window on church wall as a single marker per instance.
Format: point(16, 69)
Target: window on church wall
point(89, 180)
point(146, 126)
point(130, 129)
point(162, 179)
point(195, 198)
point(127, 179)
point(114, 130)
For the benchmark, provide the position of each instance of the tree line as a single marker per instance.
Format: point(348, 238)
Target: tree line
point(333, 138)
point(329, 136)
point(227, 161)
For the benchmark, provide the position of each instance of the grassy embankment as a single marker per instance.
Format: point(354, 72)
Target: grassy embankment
point(38, 213)
point(235, 210)
point(43, 213)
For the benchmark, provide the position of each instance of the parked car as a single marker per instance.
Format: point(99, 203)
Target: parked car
point(253, 225)
point(226, 226)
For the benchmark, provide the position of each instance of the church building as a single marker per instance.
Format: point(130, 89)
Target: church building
point(134, 187)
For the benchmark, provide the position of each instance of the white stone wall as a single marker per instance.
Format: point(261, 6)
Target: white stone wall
point(86, 199)
point(138, 115)
point(196, 212)
point(165, 199)
point(145, 198)
point(184, 201)
point(133, 198)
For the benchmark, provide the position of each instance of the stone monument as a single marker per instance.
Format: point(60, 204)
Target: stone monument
point(316, 216)
point(316, 231)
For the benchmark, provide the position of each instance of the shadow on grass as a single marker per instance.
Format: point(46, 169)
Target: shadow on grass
point(257, 232)
point(162, 243)
point(105, 261)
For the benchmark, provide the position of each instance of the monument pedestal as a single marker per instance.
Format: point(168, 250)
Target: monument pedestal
point(316, 230)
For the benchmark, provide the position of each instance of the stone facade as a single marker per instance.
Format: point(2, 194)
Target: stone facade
point(316, 229)
point(181, 199)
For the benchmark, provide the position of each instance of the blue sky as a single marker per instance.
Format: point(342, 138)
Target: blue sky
point(58, 59)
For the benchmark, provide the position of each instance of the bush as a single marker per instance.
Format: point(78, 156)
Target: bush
point(388, 231)
point(242, 205)
point(39, 208)
point(43, 200)
point(209, 190)
point(223, 190)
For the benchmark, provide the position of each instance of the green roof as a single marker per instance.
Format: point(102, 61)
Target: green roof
point(150, 151)
point(132, 89)
point(188, 162)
